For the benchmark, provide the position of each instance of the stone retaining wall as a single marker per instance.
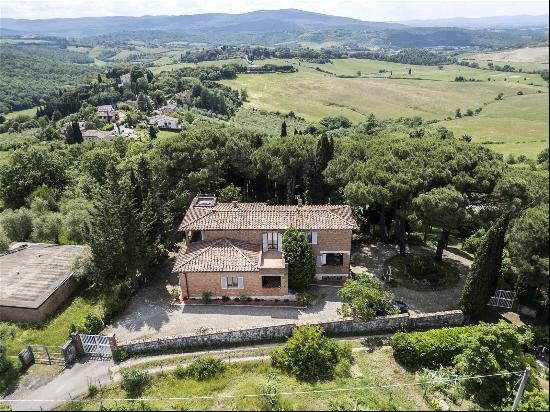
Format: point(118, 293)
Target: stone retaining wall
point(382, 324)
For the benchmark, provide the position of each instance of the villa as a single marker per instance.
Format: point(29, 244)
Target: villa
point(235, 249)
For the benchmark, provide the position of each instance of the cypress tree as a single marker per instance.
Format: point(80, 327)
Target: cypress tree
point(301, 261)
point(482, 278)
point(283, 129)
point(152, 132)
point(112, 233)
point(319, 190)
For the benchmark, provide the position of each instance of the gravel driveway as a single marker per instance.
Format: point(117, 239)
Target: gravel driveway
point(150, 314)
point(371, 258)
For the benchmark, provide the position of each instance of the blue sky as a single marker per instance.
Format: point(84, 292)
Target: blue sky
point(377, 10)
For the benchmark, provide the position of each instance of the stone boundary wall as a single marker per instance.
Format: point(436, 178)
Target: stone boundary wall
point(384, 324)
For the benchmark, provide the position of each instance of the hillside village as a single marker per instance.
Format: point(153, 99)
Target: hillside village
point(250, 227)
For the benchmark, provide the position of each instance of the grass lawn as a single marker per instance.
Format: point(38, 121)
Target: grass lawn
point(166, 133)
point(27, 112)
point(369, 369)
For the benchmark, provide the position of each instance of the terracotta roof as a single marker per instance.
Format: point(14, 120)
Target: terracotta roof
point(260, 216)
point(219, 255)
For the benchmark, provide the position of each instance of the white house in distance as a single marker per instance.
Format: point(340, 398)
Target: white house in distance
point(124, 79)
point(164, 122)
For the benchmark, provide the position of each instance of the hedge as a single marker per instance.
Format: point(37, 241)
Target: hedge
point(430, 348)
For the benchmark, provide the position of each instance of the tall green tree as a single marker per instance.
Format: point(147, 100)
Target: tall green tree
point(444, 207)
point(29, 168)
point(482, 278)
point(319, 190)
point(283, 129)
point(113, 233)
point(150, 219)
point(301, 261)
point(286, 161)
point(528, 245)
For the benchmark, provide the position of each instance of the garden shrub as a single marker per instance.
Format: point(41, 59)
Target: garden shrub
point(134, 382)
point(364, 298)
point(120, 355)
point(205, 368)
point(304, 298)
point(430, 348)
point(92, 324)
point(93, 390)
point(490, 349)
point(310, 355)
point(206, 297)
point(116, 301)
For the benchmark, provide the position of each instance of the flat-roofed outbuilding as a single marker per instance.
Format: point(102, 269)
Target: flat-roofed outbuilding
point(35, 278)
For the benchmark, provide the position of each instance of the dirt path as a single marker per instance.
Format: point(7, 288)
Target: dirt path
point(372, 258)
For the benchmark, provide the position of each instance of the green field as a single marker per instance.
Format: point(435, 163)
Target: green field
point(528, 58)
point(26, 112)
point(520, 123)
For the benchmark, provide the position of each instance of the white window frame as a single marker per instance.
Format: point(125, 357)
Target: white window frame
point(232, 282)
point(272, 240)
point(311, 237)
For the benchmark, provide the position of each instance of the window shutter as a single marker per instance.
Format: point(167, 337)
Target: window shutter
point(264, 242)
point(313, 238)
point(319, 260)
point(240, 283)
point(224, 283)
point(279, 241)
point(324, 258)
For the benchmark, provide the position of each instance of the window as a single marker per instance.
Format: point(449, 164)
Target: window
point(271, 282)
point(272, 240)
point(333, 259)
point(311, 237)
point(232, 282)
point(196, 235)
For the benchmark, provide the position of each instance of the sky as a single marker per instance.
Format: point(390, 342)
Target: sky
point(376, 10)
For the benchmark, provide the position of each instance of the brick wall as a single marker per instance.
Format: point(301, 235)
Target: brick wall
point(327, 240)
point(200, 282)
point(278, 332)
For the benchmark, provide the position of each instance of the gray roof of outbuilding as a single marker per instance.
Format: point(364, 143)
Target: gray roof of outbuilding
point(31, 273)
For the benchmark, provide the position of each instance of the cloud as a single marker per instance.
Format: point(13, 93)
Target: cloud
point(375, 10)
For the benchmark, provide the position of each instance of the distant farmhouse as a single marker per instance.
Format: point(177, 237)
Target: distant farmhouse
point(107, 113)
point(124, 80)
point(235, 249)
point(98, 135)
point(35, 278)
point(164, 122)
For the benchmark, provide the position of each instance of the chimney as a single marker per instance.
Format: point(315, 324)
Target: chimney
point(235, 204)
point(299, 202)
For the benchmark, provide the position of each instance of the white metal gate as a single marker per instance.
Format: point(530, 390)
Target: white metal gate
point(502, 299)
point(96, 345)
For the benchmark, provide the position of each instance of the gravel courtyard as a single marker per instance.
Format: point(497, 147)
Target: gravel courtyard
point(150, 313)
